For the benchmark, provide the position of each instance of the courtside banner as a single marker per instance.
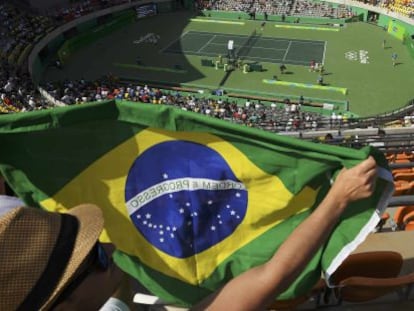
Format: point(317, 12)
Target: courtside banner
point(190, 201)
point(396, 29)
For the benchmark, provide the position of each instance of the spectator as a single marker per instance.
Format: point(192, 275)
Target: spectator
point(61, 266)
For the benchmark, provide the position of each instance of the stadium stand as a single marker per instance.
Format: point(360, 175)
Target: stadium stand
point(403, 7)
point(305, 7)
point(20, 31)
point(281, 7)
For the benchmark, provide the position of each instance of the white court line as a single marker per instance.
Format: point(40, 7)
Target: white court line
point(199, 50)
point(324, 52)
point(309, 43)
point(171, 43)
point(205, 33)
point(287, 51)
point(271, 60)
point(253, 47)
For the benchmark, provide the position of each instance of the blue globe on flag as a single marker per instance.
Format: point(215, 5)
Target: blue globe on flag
point(184, 198)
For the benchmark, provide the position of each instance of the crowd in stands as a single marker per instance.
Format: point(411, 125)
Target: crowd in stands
point(275, 118)
point(275, 7)
point(403, 7)
point(81, 8)
point(17, 92)
point(280, 7)
point(319, 9)
point(303, 7)
point(19, 31)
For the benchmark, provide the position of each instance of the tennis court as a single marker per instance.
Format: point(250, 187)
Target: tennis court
point(251, 48)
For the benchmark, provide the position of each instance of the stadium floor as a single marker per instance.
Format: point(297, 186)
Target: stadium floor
point(250, 48)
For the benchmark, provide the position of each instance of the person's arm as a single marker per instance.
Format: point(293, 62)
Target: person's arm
point(257, 288)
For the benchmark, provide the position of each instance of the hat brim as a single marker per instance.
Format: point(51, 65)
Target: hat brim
point(91, 223)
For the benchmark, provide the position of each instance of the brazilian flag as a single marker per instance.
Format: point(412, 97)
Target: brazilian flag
point(190, 201)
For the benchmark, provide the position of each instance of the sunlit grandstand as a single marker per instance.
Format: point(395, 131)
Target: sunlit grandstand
point(334, 72)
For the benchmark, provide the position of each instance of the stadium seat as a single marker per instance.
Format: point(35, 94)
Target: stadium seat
point(366, 276)
point(399, 215)
point(411, 191)
point(409, 226)
point(402, 161)
point(404, 176)
point(401, 170)
point(402, 187)
point(404, 156)
point(408, 221)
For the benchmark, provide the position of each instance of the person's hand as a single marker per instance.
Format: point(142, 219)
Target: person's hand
point(355, 183)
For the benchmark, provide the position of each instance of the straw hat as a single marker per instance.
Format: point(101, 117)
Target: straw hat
point(40, 252)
